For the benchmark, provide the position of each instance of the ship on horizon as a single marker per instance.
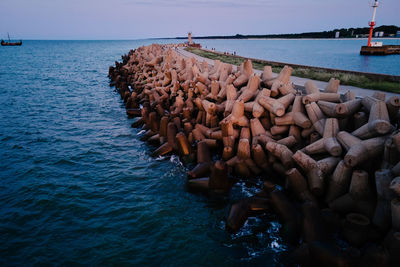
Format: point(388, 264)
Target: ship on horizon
point(9, 43)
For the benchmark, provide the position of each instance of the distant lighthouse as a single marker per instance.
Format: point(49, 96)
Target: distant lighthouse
point(190, 42)
point(372, 22)
point(377, 48)
point(190, 38)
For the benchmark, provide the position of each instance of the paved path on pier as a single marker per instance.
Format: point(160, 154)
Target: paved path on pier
point(298, 81)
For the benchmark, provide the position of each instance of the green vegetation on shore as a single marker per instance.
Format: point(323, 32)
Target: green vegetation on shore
point(389, 31)
point(345, 78)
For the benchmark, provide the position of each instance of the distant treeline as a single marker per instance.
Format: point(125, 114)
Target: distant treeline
point(344, 33)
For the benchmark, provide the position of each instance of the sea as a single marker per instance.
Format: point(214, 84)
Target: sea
point(78, 187)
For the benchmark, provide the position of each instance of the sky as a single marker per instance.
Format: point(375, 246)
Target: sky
point(137, 19)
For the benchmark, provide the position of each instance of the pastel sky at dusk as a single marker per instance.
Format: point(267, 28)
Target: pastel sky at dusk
point(136, 19)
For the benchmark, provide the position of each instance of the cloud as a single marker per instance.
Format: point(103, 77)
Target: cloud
point(203, 3)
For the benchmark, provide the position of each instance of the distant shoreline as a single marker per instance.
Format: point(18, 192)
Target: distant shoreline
point(363, 38)
point(194, 38)
point(387, 31)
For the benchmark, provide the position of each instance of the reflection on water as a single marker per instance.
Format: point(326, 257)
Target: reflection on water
point(365, 61)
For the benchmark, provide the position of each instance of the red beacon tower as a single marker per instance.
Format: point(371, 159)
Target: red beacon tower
point(372, 22)
point(377, 48)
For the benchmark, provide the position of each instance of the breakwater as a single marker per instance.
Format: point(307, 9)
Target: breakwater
point(335, 157)
point(387, 83)
point(372, 76)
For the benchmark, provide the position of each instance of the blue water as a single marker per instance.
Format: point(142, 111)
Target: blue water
point(329, 53)
point(78, 186)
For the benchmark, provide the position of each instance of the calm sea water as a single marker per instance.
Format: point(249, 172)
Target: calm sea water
point(78, 186)
point(329, 53)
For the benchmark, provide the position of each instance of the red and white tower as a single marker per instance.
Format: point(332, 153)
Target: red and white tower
point(372, 22)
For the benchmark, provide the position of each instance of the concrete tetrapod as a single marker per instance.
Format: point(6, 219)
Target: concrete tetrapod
point(260, 128)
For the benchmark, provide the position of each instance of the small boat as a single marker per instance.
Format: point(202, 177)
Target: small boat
point(9, 43)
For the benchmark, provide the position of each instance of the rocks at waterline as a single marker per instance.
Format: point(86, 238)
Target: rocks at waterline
point(334, 154)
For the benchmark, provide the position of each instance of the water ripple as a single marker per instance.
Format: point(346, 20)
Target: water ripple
point(77, 185)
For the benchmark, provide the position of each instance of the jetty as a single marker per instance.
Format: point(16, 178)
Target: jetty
point(380, 50)
point(300, 81)
point(329, 162)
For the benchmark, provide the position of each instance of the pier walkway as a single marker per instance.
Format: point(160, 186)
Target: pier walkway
point(298, 81)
